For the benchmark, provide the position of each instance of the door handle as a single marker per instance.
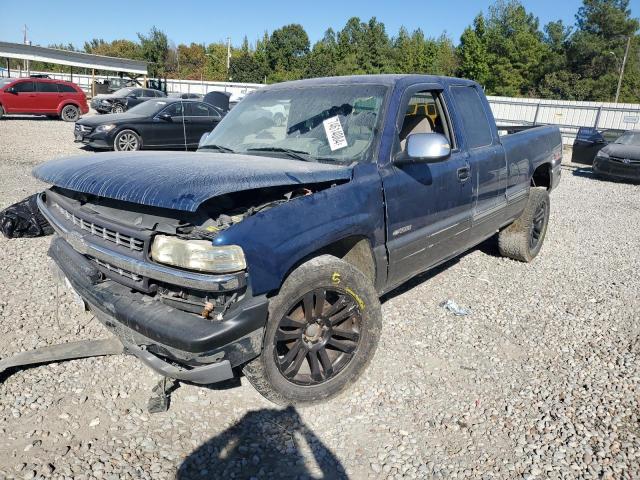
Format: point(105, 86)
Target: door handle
point(464, 173)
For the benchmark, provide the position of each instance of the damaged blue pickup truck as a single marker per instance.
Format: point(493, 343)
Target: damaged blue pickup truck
point(266, 251)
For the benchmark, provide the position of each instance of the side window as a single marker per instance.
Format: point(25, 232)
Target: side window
point(46, 87)
point(425, 113)
point(175, 110)
point(64, 88)
point(138, 92)
point(473, 116)
point(195, 109)
point(24, 87)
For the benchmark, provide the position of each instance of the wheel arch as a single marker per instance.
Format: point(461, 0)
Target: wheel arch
point(541, 176)
point(66, 102)
point(353, 249)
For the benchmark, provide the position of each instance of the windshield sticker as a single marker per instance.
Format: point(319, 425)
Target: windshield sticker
point(335, 134)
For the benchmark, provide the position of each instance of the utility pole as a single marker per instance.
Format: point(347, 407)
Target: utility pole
point(25, 40)
point(624, 64)
point(228, 55)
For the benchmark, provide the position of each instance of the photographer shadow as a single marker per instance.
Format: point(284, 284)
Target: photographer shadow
point(267, 442)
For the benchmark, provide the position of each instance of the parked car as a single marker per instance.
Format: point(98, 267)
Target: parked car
point(124, 99)
point(267, 250)
point(41, 96)
point(167, 123)
point(620, 159)
point(186, 96)
point(589, 141)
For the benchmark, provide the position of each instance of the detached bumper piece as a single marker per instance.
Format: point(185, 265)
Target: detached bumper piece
point(172, 342)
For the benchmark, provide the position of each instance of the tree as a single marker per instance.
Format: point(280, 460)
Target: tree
point(154, 48)
point(323, 57)
point(286, 50)
point(472, 52)
point(515, 49)
point(596, 49)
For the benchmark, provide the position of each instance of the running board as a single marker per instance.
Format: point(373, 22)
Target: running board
point(64, 351)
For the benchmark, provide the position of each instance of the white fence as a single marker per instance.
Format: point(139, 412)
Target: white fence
point(237, 90)
point(568, 115)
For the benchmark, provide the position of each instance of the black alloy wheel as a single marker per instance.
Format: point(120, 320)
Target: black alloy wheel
point(538, 225)
point(318, 337)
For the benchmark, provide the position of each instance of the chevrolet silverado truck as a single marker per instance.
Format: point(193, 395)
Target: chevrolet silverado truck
point(265, 252)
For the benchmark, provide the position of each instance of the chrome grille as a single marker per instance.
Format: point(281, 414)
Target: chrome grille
point(119, 271)
point(82, 129)
point(132, 243)
point(626, 161)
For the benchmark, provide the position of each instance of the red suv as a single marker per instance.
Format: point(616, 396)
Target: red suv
point(42, 96)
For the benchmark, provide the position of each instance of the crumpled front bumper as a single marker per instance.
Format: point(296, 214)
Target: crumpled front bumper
point(172, 342)
point(617, 170)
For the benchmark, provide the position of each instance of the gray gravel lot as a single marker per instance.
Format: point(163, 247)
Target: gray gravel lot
point(541, 380)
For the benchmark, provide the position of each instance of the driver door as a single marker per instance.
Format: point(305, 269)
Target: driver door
point(165, 133)
point(429, 205)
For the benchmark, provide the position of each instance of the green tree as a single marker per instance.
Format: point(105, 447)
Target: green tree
point(515, 49)
point(472, 52)
point(596, 49)
point(323, 57)
point(286, 50)
point(154, 48)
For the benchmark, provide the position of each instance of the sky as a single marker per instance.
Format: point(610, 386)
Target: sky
point(186, 21)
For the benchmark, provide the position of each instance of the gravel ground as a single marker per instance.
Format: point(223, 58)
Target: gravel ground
point(541, 380)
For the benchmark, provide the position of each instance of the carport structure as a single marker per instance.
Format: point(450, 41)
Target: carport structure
point(73, 59)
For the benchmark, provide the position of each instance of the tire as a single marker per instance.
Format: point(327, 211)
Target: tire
point(127, 141)
point(117, 108)
point(340, 352)
point(70, 113)
point(1, 111)
point(523, 239)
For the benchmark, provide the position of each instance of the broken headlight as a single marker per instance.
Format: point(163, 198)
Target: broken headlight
point(199, 255)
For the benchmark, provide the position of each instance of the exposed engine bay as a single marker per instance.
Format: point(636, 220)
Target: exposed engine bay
point(212, 218)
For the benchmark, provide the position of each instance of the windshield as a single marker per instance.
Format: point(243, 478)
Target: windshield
point(150, 107)
point(334, 123)
point(5, 81)
point(123, 92)
point(629, 138)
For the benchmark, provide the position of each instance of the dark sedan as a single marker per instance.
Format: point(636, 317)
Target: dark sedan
point(620, 159)
point(124, 99)
point(161, 124)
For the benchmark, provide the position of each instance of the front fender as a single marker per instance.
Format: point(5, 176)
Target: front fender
point(278, 239)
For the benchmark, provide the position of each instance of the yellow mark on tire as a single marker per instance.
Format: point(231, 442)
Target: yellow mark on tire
point(355, 297)
point(335, 278)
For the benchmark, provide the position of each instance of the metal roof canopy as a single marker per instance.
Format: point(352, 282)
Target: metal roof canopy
point(74, 59)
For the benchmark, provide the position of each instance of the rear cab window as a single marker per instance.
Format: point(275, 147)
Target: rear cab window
point(473, 116)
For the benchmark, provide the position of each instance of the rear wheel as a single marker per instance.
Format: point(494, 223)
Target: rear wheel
point(1, 111)
point(322, 332)
point(127, 141)
point(70, 113)
point(523, 239)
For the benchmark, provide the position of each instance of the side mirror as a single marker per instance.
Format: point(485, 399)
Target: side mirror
point(166, 117)
point(425, 148)
point(11, 90)
point(203, 138)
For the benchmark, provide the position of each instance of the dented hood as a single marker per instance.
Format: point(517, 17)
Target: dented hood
point(180, 180)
